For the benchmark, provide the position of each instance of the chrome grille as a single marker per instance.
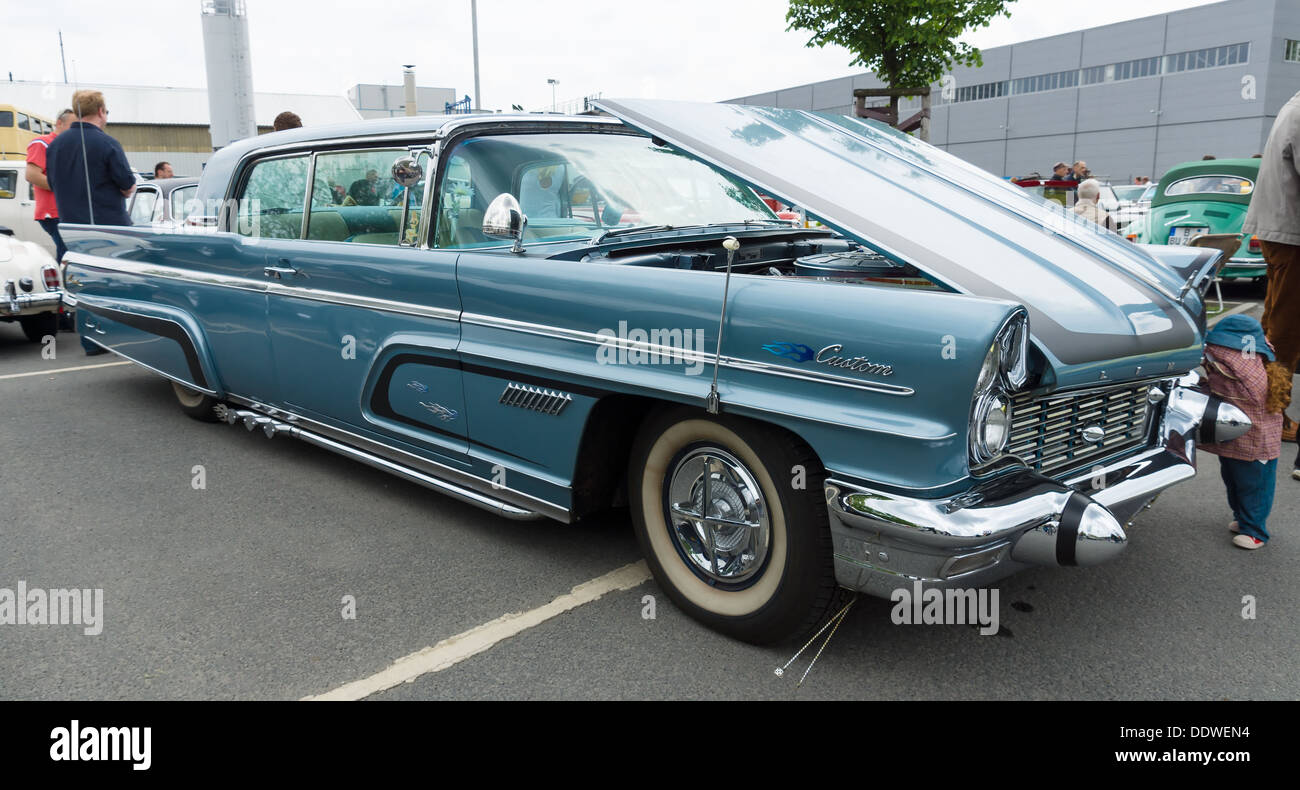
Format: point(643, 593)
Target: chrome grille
point(1047, 433)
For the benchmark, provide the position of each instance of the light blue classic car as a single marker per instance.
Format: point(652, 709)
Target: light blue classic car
point(548, 316)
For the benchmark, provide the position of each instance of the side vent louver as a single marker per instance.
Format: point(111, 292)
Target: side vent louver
point(535, 398)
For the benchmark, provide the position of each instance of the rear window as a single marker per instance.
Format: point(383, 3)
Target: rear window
point(1211, 185)
point(8, 183)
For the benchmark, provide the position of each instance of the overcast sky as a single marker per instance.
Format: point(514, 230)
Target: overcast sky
point(689, 49)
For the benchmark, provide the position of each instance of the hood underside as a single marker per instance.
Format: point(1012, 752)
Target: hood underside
point(1090, 294)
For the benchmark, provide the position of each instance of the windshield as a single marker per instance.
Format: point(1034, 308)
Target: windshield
point(1129, 192)
point(574, 186)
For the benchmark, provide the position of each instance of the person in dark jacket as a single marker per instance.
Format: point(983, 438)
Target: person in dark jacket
point(87, 169)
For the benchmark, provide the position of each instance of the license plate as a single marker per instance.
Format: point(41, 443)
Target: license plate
point(1184, 235)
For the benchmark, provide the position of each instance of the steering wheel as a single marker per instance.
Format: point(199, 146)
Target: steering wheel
point(595, 199)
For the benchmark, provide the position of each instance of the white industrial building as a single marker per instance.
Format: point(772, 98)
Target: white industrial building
point(172, 124)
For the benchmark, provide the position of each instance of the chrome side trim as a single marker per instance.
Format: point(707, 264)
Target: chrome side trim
point(451, 476)
point(153, 369)
point(273, 427)
point(823, 378)
point(595, 339)
point(248, 284)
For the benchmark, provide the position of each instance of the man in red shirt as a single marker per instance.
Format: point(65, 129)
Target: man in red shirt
point(47, 212)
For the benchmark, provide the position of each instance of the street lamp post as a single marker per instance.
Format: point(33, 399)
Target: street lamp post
point(473, 15)
point(553, 83)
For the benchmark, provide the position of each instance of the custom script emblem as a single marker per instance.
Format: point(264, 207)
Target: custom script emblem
point(443, 413)
point(831, 356)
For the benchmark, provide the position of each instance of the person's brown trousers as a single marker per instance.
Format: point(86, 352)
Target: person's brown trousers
point(1281, 318)
point(1282, 303)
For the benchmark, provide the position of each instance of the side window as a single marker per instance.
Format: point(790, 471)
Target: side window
point(272, 202)
point(354, 197)
point(8, 183)
point(179, 198)
point(143, 205)
point(24, 122)
point(460, 211)
point(6, 119)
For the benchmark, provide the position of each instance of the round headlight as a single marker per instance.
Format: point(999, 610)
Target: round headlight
point(991, 427)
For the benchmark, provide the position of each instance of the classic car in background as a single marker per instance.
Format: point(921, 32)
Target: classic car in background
point(32, 288)
point(1205, 197)
point(1064, 193)
point(18, 205)
point(163, 201)
point(949, 382)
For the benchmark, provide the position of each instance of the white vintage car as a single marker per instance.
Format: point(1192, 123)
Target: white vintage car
point(31, 287)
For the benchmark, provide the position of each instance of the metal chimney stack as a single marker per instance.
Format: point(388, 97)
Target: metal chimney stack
point(230, 71)
point(408, 83)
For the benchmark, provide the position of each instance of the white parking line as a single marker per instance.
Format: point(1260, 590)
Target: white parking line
point(453, 650)
point(1241, 308)
point(61, 370)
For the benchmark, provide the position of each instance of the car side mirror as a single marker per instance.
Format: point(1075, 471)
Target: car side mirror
point(505, 220)
point(407, 171)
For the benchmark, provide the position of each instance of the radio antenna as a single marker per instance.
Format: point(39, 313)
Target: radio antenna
point(713, 403)
point(85, 161)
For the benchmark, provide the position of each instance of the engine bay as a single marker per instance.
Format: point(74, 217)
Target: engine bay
point(809, 255)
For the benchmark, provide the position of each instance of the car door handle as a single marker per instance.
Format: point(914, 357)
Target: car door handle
point(282, 271)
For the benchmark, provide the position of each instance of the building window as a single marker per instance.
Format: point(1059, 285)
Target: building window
point(1209, 58)
point(1292, 51)
point(1132, 69)
point(985, 90)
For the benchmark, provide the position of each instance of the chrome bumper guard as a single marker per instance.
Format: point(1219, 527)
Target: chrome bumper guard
point(885, 541)
point(15, 303)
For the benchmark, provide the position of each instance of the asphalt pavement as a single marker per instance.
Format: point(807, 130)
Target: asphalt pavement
point(238, 588)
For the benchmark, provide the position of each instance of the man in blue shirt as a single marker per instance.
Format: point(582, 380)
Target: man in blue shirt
point(87, 169)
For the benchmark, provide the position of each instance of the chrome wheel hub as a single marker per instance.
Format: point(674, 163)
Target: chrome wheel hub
point(717, 516)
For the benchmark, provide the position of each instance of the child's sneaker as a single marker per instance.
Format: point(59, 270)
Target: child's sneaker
point(1295, 473)
point(1234, 527)
point(1247, 542)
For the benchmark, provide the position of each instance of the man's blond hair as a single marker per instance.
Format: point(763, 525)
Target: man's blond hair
point(87, 104)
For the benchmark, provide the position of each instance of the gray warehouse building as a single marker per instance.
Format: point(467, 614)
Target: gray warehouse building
point(1131, 98)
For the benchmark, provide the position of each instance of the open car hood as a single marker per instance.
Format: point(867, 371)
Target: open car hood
point(1091, 295)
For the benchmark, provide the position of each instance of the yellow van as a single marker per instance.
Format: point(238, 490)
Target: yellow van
point(18, 128)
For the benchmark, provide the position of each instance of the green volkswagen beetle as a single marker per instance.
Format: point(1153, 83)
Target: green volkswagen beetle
point(1196, 198)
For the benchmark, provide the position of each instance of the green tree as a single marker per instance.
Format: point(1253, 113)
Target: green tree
point(909, 44)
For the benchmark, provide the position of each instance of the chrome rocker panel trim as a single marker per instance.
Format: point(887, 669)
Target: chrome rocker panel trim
point(884, 541)
point(460, 485)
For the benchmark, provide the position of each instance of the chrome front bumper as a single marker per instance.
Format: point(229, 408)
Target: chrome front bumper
point(1021, 518)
